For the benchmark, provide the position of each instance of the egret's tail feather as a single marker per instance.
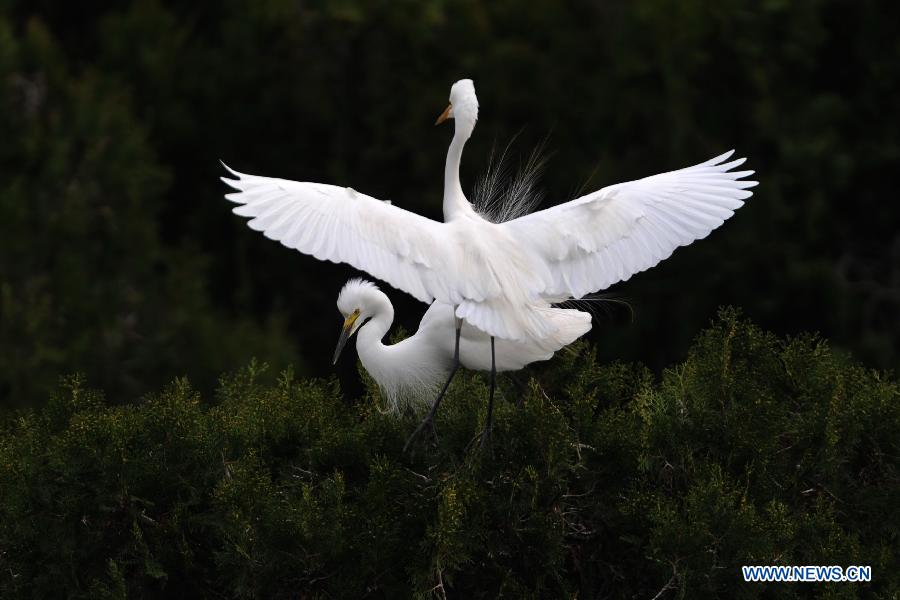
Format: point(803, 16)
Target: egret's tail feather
point(569, 324)
point(509, 322)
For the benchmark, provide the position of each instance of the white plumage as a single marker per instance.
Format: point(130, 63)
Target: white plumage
point(609, 235)
point(497, 275)
point(414, 369)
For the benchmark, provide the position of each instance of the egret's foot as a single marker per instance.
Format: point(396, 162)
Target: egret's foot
point(427, 423)
point(486, 435)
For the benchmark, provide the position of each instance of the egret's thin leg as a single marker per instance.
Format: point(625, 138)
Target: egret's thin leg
point(489, 422)
point(429, 419)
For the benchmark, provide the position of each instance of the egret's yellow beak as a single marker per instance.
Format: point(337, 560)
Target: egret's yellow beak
point(444, 115)
point(345, 334)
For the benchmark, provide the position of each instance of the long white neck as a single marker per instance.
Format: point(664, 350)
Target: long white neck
point(455, 202)
point(369, 336)
point(412, 369)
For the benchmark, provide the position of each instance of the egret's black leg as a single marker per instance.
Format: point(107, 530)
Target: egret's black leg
point(429, 419)
point(489, 422)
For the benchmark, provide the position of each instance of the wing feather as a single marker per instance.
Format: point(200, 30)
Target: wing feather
point(611, 234)
point(342, 225)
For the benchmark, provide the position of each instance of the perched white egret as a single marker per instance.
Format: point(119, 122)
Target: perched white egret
point(414, 369)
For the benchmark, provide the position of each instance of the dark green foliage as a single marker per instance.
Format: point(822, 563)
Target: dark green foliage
point(85, 281)
point(604, 483)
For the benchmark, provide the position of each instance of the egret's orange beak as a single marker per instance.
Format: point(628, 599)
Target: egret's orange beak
point(444, 115)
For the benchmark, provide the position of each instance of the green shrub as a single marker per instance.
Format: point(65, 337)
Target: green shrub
point(603, 483)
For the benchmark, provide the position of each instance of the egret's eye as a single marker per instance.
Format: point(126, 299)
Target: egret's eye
point(351, 319)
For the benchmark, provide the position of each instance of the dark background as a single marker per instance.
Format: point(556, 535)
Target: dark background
point(119, 257)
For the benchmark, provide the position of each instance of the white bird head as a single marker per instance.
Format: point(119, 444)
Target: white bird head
point(463, 106)
point(358, 301)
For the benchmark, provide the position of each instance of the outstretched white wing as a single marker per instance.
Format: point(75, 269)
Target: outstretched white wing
point(342, 225)
point(609, 235)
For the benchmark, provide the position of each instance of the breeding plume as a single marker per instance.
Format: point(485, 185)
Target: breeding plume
point(414, 369)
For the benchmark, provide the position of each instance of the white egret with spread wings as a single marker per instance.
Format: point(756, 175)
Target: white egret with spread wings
point(497, 276)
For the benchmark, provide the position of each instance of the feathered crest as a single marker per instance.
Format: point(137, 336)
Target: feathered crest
point(351, 292)
point(500, 196)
